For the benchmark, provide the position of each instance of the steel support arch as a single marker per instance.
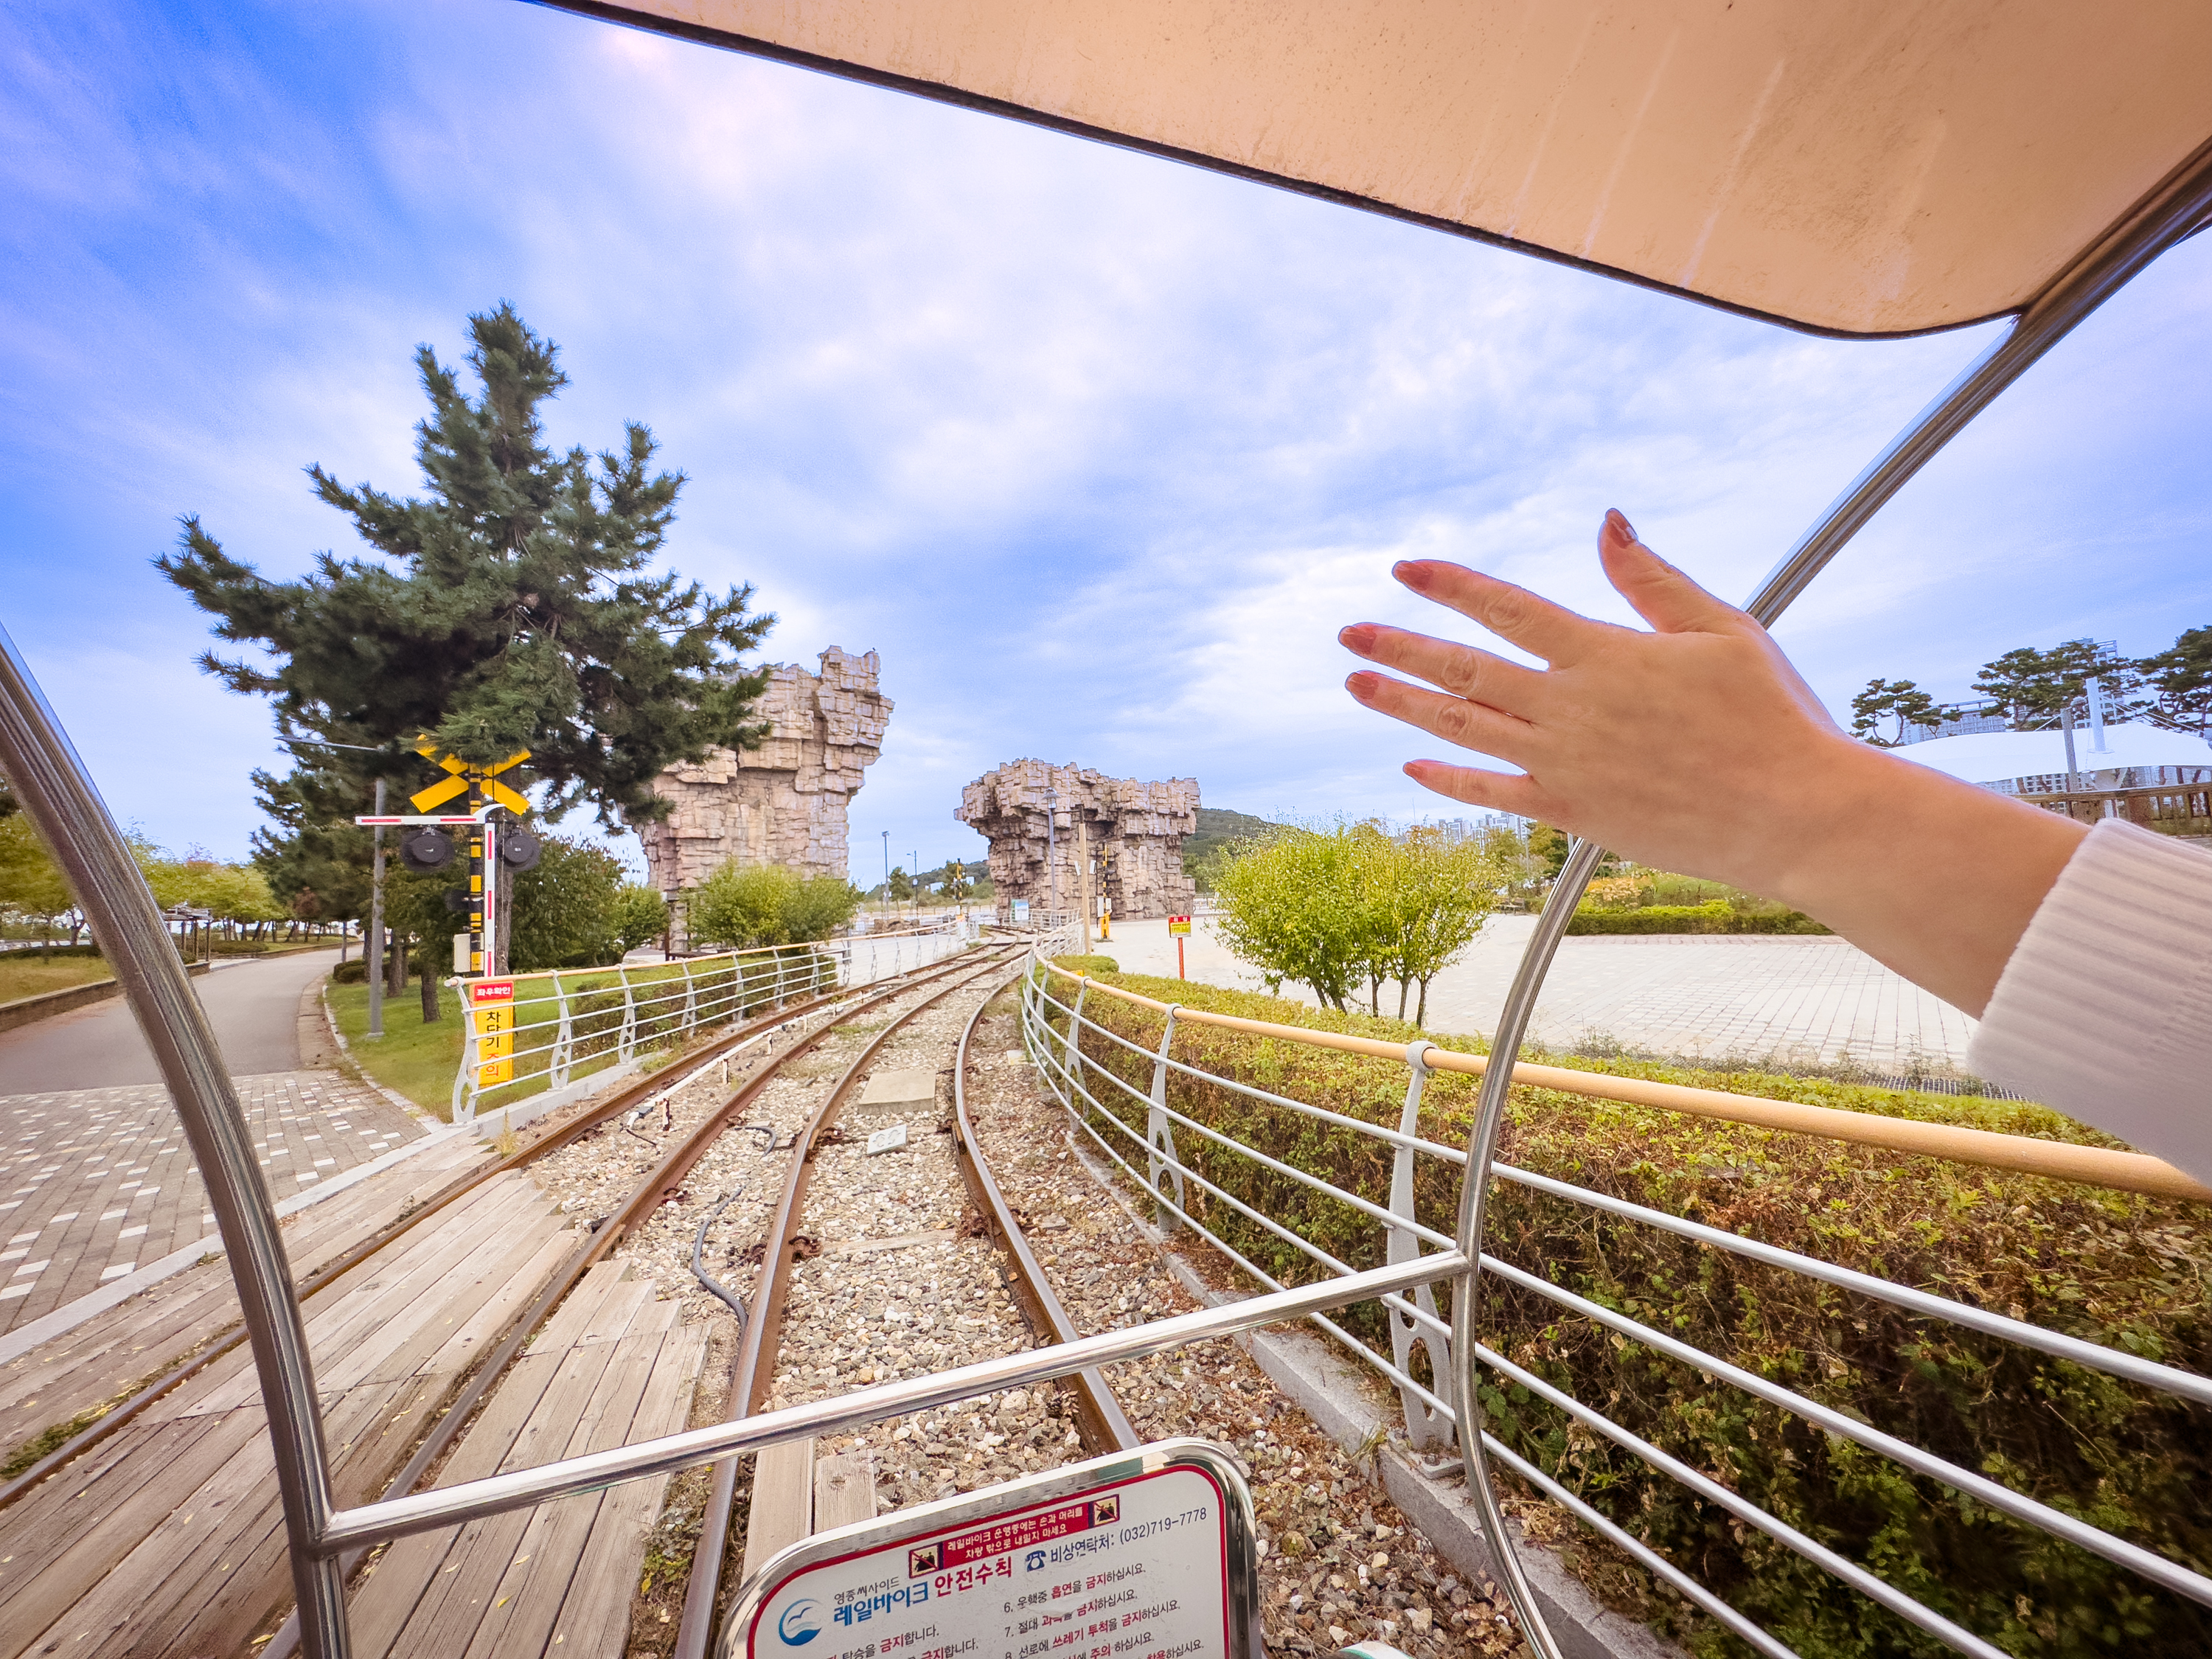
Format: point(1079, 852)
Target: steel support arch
point(2180, 207)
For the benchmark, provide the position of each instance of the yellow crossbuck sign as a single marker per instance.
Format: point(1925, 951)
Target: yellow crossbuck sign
point(462, 775)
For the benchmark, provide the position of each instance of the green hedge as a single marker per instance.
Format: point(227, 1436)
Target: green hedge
point(2127, 1272)
point(1715, 916)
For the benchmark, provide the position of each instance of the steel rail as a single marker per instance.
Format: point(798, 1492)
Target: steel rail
point(752, 1367)
point(2172, 209)
point(1104, 1426)
point(459, 1416)
point(594, 1471)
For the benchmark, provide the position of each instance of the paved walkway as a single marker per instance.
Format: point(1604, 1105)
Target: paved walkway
point(95, 1176)
point(97, 1181)
point(253, 1005)
point(1812, 1000)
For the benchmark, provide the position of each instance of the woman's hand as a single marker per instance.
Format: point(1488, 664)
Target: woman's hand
point(1697, 748)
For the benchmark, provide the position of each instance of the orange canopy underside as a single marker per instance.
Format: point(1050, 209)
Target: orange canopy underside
point(1878, 168)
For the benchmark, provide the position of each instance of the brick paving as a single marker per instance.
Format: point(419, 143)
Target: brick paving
point(1811, 999)
point(96, 1182)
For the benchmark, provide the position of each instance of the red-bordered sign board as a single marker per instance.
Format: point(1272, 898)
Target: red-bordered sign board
point(1147, 1555)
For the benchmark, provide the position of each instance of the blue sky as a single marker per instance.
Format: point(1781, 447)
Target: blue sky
point(1099, 451)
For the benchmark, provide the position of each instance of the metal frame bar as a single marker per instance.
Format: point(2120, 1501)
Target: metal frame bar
point(58, 794)
point(2179, 207)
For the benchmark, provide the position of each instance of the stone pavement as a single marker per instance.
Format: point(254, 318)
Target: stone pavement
point(98, 1180)
point(1813, 999)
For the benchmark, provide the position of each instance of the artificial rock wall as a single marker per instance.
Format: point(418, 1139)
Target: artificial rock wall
point(1139, 826)
point(784, 802)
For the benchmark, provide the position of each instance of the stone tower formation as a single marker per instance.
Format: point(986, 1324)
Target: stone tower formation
point(1138, 827)
point(784, 802)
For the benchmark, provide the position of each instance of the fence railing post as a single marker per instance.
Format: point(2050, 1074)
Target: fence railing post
point(1159, 1134)
point(1425, 1426)
point(564, 1039)
point(626, 1041)
point(1072, 1057)
point(466, 1079)
point(690, 1020)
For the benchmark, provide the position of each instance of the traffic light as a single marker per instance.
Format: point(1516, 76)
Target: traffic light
point(520, 850)
point(425, 849)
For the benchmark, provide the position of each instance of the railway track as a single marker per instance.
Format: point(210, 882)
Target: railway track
point(753, 1152)
point(739, 1180)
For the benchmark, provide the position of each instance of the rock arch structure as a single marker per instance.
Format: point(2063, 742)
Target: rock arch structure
point(1139, 828)
point(784, 802)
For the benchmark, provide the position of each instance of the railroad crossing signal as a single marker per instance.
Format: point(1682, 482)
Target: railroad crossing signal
point(466, 777)
point(478, 955)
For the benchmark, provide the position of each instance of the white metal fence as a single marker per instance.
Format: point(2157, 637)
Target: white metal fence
point(1105, 1109)
point(565, 1023)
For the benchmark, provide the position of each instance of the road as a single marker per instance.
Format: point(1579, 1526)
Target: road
point(254, 1007)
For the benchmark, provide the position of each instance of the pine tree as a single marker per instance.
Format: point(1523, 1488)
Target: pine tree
point(511, 607)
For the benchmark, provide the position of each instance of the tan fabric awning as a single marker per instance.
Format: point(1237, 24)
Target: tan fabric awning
point(1879, 167)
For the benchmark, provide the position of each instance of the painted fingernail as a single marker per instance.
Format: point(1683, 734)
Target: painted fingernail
point(1363, 683)
point(1618, 522)
point(1407, 571)
point(1359, 636)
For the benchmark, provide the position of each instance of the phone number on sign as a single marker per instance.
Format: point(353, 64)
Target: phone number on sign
point(1166, 1523)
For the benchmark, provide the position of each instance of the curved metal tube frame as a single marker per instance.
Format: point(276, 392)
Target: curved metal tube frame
point(2177, 208)
point(58, 793)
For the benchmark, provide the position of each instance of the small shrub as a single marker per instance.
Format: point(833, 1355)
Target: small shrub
point(1092, 965)
point(350, 973)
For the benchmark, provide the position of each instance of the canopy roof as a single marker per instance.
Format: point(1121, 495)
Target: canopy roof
point(1886, 166)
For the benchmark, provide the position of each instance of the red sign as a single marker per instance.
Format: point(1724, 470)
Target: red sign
point(492, 990)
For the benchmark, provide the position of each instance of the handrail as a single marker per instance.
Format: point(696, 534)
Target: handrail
point(2059, 1160)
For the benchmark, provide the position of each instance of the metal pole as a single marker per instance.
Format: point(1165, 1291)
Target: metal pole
point(2178, 207)
point(376, 921)
point(1051, 852)
point(493, 942)
point(478, 965)
point(57, 793)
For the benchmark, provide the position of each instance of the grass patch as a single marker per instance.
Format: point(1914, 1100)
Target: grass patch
point(2126, 1272)
point(19, 978)
point(412, 1058)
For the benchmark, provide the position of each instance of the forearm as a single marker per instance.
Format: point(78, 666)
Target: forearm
point(1933, 878)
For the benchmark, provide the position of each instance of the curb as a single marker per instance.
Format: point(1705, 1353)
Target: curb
point(47, 1005)
point(353, 1069)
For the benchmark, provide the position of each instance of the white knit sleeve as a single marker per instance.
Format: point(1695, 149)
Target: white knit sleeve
point(2104, 1009)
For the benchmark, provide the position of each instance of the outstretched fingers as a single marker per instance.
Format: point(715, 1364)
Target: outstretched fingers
point(1663, 595)
point(1553, 632)
point(1501, 792)
point(1469, 725)
point(1461, 670)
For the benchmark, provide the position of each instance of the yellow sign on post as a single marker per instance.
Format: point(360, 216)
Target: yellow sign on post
point(491, 1022)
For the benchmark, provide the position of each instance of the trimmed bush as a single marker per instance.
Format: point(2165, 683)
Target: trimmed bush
point(1714, 916)
point(2126, 1272)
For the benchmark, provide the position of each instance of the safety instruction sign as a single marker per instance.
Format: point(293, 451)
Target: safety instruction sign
point(1178, 924)
point(491, 1022)
point(1136, 1556)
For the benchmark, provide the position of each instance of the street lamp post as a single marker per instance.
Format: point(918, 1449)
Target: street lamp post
point(376, 922)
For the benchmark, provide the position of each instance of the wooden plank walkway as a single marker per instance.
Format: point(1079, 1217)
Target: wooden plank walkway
point(167, 1540)
point(611, 1366)
point(112, 1354)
